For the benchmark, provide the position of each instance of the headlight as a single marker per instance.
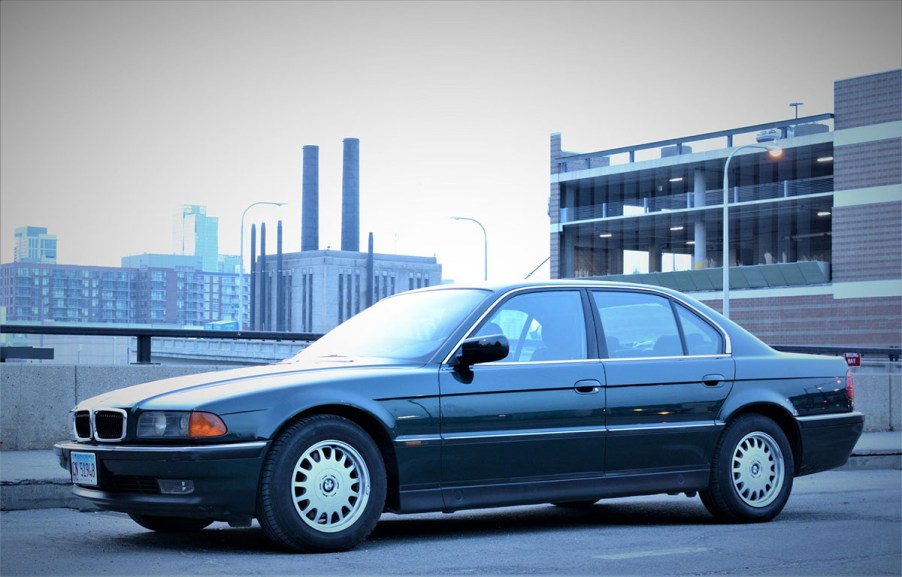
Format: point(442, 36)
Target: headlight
point(179, 425)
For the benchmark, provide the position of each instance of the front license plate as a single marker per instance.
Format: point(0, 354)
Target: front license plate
point(84, 468)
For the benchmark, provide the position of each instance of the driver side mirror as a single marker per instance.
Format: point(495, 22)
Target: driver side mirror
point(485, 349)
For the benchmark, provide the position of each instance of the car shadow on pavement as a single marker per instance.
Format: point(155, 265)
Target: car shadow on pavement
point(540, 518)
point(393, 529)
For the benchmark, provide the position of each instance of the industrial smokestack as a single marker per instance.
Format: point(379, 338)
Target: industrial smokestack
point(280, 282)
point(253, 319)
point(310, 200)
point(370, 274)
point(264, 296)
point(350, 196)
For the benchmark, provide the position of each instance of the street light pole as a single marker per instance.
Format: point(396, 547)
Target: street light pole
point(485, 238)
point(775, 152)
point(241, 264)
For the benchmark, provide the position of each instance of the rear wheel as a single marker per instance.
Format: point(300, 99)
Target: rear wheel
point(170, 524)
point(323, 486)
point(752, 471)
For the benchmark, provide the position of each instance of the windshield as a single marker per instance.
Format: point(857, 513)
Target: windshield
point(407, 327)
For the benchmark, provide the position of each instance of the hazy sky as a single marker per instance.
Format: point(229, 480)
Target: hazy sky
point(113, 114)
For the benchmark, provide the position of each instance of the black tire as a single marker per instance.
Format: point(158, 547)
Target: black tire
point(170, 524)
point(323, 486)
point(752, 471)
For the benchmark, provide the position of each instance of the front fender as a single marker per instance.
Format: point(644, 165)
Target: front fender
point(279, 415)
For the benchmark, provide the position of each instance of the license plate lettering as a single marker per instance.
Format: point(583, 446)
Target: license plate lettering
point(84, 468)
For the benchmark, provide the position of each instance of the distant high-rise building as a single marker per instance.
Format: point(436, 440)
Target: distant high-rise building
point(197, 234)
point(34, 245)
point(156, 289)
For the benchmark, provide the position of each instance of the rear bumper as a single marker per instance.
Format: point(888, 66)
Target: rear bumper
point(828, 440)
point(225, 478)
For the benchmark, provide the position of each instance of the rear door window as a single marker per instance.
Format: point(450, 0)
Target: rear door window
point(638, 325)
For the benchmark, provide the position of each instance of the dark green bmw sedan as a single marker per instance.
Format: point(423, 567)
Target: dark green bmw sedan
point(454, 398)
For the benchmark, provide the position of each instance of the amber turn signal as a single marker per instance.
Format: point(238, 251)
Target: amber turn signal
point(205, 425)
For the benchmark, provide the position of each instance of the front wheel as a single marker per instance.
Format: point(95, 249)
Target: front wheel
point(751, 473)
point(162, 524)
point(323, 486)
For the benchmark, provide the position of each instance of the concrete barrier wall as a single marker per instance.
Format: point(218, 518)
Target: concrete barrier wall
point(35, 399)
point(878, 394)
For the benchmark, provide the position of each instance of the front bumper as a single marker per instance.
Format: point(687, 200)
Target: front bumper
point(225, 478)
point(828, 440)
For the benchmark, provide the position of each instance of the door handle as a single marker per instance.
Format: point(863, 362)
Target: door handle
point(587, 387)
point(713, 380)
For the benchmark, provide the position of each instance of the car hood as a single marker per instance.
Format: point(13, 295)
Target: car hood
point(191, 391)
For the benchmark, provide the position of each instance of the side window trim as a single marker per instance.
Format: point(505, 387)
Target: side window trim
point(679, 326)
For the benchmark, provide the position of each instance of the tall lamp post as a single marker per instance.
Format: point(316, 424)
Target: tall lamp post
point(775, 152)
point(241, 264)
point(485, 238)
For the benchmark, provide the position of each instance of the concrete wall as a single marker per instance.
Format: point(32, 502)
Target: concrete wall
point(878, 394)
point(35, 399)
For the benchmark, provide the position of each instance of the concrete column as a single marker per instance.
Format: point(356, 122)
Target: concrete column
point(615, 261)
point(765, 240)
point(700, 256)
point(784, 237)
point(803, 232)
point(654, 257)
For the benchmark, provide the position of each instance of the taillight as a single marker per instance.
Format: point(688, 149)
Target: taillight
point(850, 387)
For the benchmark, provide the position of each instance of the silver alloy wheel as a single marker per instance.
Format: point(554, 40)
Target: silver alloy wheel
point(331, 486)
point(758, 469)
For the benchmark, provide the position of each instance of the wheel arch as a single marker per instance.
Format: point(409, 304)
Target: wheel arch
point(373, 427)
point(782, 418)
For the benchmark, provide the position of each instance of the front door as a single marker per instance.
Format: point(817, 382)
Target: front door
point(536, 416)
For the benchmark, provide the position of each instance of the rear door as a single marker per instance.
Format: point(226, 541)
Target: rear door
point(668, 373)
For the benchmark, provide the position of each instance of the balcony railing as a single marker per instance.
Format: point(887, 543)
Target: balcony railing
point(570, 162)
point(686, 200)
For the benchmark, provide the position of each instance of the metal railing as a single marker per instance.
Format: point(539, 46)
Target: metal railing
point(145, 335)
point(570, 162)
point(685, 200)
point(891, 352)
